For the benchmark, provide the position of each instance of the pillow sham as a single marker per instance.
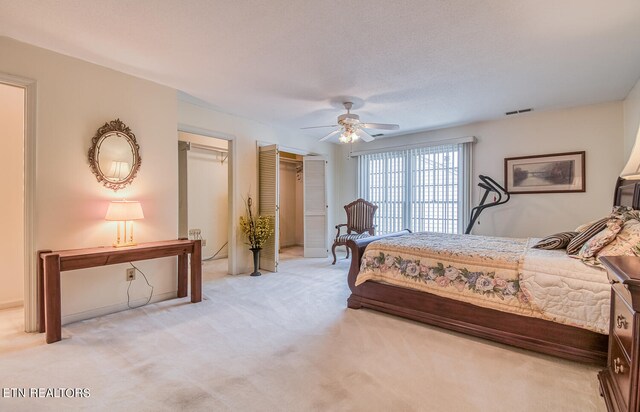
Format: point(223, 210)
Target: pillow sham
point(601, 239)
point(576, 243)
point(556, 241)
point(625, 213)
point(625, 243)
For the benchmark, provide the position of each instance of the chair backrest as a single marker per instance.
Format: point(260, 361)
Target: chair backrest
point(360, 216)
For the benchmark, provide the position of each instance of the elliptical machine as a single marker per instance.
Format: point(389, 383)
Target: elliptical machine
point(489, 185)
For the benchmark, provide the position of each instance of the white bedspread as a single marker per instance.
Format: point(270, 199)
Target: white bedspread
point(565, 290)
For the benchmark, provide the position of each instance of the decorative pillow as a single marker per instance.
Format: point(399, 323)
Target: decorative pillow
point(557, 241)
point(585, 226)
point(625, 213)
point(621, 209)
point(625, 243)
point(601, 239)
point(576, 243)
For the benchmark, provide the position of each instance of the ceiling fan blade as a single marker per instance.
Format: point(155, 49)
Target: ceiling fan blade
point(318, 127)
point(335, 132)
point(380, 126)
point(364, 135)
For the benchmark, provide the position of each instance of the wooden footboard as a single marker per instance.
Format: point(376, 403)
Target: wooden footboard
point(524, 332)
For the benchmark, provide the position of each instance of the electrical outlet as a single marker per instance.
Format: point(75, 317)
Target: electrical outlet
point(195, 234)
point(204, 242)
point(131, 274)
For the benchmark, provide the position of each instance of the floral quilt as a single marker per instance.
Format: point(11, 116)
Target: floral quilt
point(481, 270)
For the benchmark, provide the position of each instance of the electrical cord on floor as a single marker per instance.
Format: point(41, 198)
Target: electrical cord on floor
point(129, 287)
point(215, 254)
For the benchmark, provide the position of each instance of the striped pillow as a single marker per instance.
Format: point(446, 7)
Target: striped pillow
point(576, 243)
point(557, 241)
point(587, 225)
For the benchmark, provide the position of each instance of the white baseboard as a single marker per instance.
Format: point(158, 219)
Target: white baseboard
point(13, 304)
point(107, 310)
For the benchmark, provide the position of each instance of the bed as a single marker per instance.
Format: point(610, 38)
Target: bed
point(550, 312)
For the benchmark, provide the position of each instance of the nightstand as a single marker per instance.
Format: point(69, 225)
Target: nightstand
point(619, 381)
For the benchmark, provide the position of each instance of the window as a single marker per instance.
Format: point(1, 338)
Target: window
point(423, 189)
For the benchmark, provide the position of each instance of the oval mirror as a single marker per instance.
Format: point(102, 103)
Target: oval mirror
point(114, 155)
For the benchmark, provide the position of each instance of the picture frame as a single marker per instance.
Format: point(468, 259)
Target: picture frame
point(548, 173)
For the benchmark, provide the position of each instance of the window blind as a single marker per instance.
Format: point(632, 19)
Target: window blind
point(422, 189)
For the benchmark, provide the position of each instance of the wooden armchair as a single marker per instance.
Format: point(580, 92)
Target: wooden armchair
point(359, 224)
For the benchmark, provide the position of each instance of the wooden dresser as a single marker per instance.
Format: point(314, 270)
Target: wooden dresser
point(619, 381)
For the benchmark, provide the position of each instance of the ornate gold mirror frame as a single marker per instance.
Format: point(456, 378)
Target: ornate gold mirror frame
point(114, 156)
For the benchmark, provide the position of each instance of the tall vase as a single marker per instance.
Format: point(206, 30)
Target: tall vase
point(256, 261)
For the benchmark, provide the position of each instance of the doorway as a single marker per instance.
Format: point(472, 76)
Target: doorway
point(281, 198)
point(203, 174)
point(291, 230)
point(12, 186)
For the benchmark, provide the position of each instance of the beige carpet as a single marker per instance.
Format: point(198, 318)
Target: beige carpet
point(282, 342)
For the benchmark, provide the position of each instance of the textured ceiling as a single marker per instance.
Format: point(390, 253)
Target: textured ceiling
point(423, 64)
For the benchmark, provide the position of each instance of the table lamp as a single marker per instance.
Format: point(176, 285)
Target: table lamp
point(119, 170)
point(632, 168)
point(124, 212)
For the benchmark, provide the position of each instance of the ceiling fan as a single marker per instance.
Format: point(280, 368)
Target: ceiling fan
point(351, 129)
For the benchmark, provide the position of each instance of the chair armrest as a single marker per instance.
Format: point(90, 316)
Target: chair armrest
point(338, 227)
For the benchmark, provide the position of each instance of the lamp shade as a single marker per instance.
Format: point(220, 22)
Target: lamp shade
point(632, 168)
point(124, 210)
point(119, 170)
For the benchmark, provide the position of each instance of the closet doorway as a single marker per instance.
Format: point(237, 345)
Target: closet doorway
point(291, 230)
point(12, 186)
point(292, 189)
point(203, 173)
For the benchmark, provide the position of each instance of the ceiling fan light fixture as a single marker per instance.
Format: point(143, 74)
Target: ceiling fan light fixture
point(351, 128)
point(348, 135)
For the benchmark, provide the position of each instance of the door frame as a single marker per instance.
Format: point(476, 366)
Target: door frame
point(232, 265)
point(29, 193)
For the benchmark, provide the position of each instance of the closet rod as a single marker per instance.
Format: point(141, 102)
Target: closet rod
point(287, 160)
point(205, 147)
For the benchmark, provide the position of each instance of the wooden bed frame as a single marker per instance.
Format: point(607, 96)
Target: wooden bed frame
point(540, 335)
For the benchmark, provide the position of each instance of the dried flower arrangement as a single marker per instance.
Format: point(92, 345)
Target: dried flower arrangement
point(257, 229)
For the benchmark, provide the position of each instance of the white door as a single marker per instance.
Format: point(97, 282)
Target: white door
point(315, 207)
point(269, 200)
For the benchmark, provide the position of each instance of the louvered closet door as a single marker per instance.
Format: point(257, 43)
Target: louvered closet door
point(315, 207)
point(269, 199)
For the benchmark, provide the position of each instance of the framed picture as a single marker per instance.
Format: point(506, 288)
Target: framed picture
point(552, 173)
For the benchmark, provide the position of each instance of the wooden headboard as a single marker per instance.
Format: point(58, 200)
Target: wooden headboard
point(627, 193)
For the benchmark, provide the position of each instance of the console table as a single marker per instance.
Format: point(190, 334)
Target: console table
point(51, 263)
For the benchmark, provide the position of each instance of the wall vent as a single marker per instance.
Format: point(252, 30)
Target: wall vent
point(377, 135)
point(519, 111)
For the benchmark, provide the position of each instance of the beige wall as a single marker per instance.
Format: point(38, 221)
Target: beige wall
point(12, 189)
point(246, 134)
point(596, 129)
point(74, 99)
point(631, 118)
